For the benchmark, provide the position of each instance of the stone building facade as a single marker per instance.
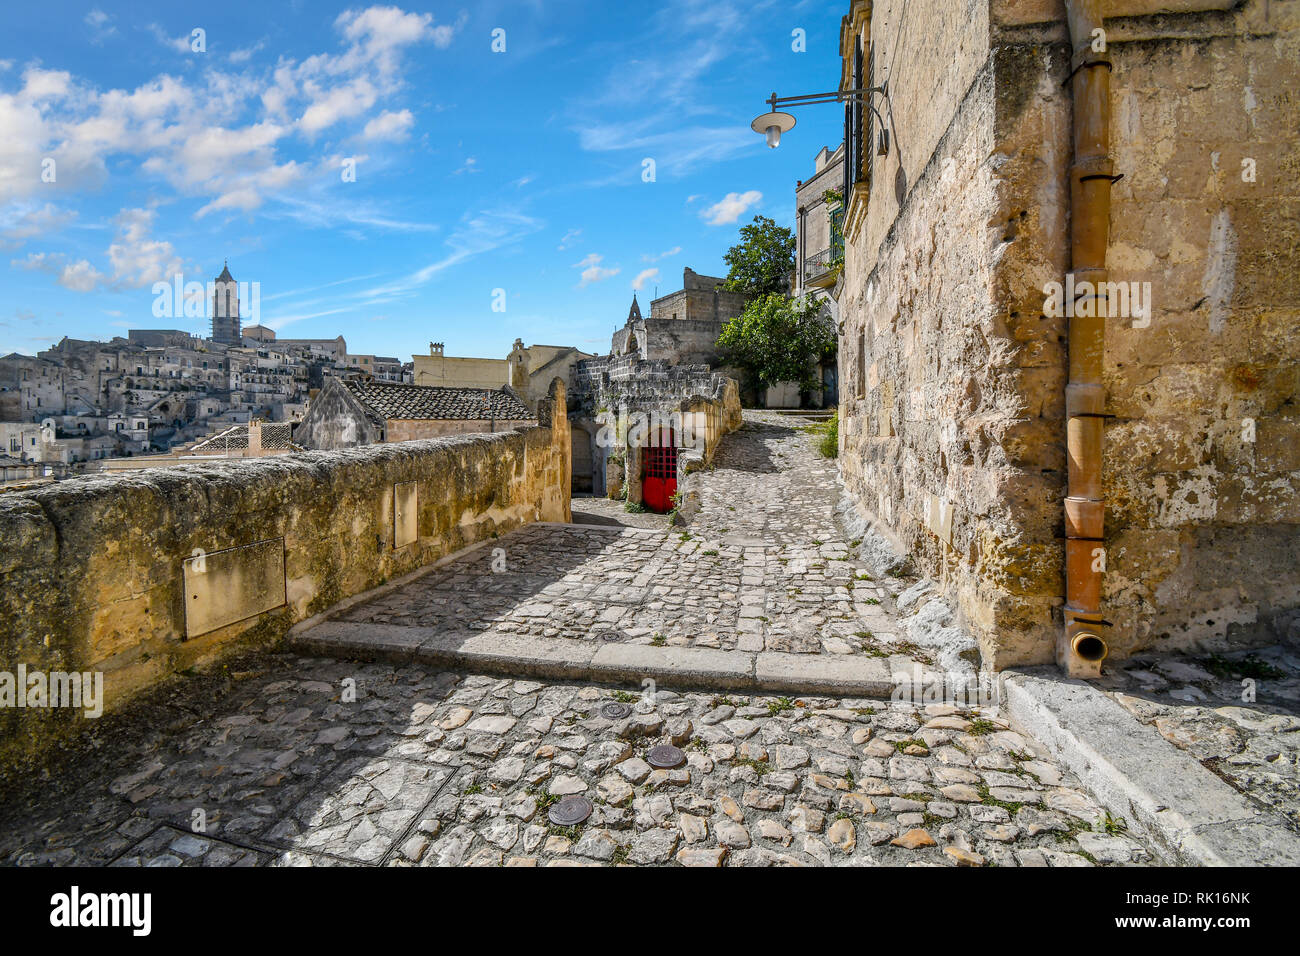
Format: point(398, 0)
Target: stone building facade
point(954, 362)
point(683, 326)
point(612, 393)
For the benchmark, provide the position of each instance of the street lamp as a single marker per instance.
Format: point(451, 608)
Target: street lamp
point(773, 125)
point(774, 122)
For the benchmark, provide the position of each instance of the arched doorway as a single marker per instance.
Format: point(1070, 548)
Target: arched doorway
point(581, 450)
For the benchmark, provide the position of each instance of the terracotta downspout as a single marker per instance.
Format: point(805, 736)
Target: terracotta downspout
point(1081, 647)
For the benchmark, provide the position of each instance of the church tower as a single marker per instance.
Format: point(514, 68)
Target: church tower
point(634, 313)
point(225, 309)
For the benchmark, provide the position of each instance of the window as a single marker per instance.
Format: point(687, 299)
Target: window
point(859, 124)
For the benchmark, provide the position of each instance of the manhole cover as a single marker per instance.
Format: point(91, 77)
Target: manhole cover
point(613, 710)
point(609, 636)
point(569, 811)
point(665, 757)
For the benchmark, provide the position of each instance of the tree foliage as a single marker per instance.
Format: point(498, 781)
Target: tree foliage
point(779, 339)
point(762, 262)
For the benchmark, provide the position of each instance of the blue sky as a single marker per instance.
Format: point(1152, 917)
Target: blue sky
point(475, 170)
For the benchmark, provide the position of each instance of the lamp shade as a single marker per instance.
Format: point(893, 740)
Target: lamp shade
point(772, 125)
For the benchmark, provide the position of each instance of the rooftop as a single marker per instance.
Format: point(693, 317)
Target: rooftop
point(387, 400)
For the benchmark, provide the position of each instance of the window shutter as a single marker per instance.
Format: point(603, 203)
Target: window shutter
point(848, 152)
point(858, 152)
point(870, 139)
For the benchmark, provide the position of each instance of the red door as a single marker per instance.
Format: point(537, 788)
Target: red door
point(659, 478)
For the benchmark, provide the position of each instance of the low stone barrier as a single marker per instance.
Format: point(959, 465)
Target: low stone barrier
point(126, 579)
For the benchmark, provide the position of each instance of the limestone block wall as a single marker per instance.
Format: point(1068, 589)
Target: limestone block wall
point(140, 575)
point(952, 373)
point(1202, 456)
point(610, 386)
point(929, 372)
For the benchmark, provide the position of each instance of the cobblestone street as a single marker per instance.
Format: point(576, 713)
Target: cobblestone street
point(762, 568)
point(428, 768)
point(317, 761)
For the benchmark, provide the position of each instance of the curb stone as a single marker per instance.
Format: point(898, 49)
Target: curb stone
point(1185, 813)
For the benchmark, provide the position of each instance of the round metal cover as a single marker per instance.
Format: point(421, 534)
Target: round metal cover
point(609, 636)
point(665, 757)
point(613, 710)
point(569, 811)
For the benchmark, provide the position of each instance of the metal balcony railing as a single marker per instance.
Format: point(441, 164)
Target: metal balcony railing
point(819, 263)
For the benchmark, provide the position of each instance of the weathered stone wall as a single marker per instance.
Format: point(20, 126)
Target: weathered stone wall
point(100, 573)
point(952, 418)
point(610, 386)
point(927, 368)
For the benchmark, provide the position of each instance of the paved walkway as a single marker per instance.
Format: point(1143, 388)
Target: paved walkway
point(762, 568)
point(293, 758)
point(420, 767)
point(1237, 713)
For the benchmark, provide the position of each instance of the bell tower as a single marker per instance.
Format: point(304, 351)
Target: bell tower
point(225, 309)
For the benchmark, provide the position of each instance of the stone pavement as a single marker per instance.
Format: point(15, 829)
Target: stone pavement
point(309, 761)
point(1237, 713)
point(286, 759)
point(762, 568)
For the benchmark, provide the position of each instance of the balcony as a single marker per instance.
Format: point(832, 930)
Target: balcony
point(817, 269)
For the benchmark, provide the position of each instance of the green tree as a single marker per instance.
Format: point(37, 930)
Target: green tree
point(779, 339)
point(763, 260)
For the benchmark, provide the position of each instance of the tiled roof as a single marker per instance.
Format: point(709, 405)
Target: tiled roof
point(387, 400)
point(275, 437)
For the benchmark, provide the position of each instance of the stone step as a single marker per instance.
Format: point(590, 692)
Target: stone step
point(513, 655)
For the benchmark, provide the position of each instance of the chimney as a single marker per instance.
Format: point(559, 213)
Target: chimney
point(254, 439)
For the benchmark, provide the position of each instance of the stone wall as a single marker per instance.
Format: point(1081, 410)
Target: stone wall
point(952, 417)
point(607, 387)
point(139, 576)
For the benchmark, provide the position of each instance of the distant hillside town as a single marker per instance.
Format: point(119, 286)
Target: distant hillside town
point(164, 397)
point(161, 390)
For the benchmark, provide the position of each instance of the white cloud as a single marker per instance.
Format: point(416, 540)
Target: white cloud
point(663, 255)
point(100, 24)
point(568, 238)
point(23, 221)
point(389, 125)
point(138, 259)
point(731, 207)
point(80, 276)
point(478, 233)
point(644, 276)
point(378, 34)
point(180, 44)
point(593, 271)
point(470, 166)
point(245, 54)
point(340, 103)
point(212, 133)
